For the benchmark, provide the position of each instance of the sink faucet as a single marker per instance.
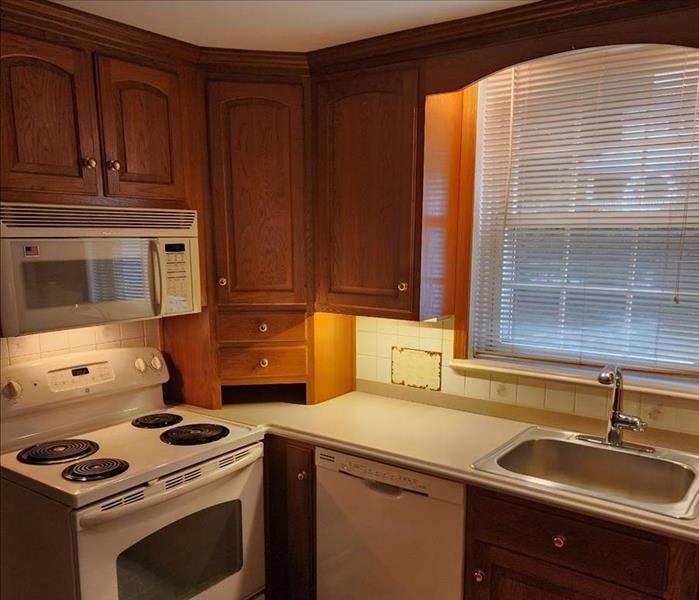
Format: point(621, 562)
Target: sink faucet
point(618, 422)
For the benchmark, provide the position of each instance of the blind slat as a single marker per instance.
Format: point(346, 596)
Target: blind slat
point(586, 246)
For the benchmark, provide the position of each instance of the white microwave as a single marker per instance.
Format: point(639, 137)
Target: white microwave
point(72, 266)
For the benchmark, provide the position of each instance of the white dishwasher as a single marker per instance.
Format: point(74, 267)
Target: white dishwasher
point(385, 533)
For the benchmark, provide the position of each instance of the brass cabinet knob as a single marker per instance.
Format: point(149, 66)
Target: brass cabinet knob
point(222, 281)
point(560, 541)
point(262, 327)
point(264, 363)
point(402, 286)
point(114, 165)
point(89, 163)
point(302, 476)
point(479, 576)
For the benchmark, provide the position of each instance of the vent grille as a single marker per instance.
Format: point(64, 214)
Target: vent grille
point(182, 478)
point(36, 215)
point(123, 500)
point(230, 459)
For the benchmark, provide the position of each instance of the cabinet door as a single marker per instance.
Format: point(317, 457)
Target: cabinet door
point(497, 574)
point(49, 139)
point(366, 224)
point(256, 137)
point(141, 130)
point(289, 468)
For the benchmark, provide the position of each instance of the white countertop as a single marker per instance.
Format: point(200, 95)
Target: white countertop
point(436, 440)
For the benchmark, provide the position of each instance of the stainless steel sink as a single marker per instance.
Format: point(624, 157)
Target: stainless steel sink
point(664, 481)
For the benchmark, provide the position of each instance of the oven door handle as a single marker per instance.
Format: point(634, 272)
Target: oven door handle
point(96, 516)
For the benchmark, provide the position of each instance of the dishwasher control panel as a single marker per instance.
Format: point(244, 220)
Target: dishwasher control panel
point(362, 468)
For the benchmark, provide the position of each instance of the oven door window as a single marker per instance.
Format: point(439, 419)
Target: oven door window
point(184, 558)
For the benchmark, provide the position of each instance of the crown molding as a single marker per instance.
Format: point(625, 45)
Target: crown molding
point(257, 62)
point(530, 20)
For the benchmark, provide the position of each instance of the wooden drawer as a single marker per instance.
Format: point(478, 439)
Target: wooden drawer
point(261, 326)
point(606, 551)
point(262, 361)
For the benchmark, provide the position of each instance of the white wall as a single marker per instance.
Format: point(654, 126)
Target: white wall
point(376, 338)
point(25, 348)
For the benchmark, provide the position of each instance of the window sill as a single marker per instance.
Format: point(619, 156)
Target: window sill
point(633, 382)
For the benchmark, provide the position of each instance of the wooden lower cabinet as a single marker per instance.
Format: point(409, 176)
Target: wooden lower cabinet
point(290, 519)
point(518, 550)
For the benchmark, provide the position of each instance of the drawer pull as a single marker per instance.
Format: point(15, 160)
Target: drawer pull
point(479, 576)
point(560, 541)
point(262, 327)
point(302, 476)
point(264, 363)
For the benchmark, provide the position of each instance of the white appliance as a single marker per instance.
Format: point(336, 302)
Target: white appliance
point(385, 532)
point(109, 494)
point(71, 266)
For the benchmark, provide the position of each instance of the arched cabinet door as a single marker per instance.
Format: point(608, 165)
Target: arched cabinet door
point(257, 180)
point(141, 130)
point(367, 213)
point(48, 139)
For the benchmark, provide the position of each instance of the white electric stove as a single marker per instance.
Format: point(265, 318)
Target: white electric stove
point(136, 499)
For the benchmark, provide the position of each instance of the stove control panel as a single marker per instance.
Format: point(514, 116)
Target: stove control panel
point(83, 376)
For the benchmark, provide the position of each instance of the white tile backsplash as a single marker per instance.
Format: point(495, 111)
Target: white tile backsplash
point(25, 348)
point(376, 337)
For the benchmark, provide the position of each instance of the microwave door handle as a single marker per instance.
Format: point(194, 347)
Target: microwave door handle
point(160, 278)
point(95, 516)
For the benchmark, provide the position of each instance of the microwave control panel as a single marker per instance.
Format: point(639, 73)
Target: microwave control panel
point(178, 272)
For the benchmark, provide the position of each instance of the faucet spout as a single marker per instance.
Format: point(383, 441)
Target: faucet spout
point(611, 375)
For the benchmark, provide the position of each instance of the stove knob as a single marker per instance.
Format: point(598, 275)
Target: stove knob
point(12, 390)
point(156, 363)
point(140, 365)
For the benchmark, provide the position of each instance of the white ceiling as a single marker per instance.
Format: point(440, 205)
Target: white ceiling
point(290, 25)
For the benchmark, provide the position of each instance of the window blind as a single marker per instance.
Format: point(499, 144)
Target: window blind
point(586, 240)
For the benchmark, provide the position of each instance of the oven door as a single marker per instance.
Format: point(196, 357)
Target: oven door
point(197, 533)
point(60, 283)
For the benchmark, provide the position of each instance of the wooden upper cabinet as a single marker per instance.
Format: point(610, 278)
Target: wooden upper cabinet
point(256, 139)
point(141, 130)
point(366, 220)
point(49, 141)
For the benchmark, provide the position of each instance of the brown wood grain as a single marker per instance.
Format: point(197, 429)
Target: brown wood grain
point(331, 356)
point(366, 201)
point(48, 118)
point(242, 363)
point(256, 139)
point(622, 556)
point(290, 518)
point(257, 326)
point(142, 129)
point(462, 283)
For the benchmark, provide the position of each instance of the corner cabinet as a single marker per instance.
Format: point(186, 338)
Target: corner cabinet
point(49, 130)
point(367, 210)
point(257, 144)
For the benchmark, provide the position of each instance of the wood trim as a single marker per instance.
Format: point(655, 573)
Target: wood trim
point(540, 18)
point(253, 62)
point(467, 176)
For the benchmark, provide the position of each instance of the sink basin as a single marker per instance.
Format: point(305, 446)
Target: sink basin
point(665, 481)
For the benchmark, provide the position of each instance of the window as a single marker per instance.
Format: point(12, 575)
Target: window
point(586, 232)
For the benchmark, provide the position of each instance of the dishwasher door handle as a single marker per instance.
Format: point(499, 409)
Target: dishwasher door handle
point(385, 489)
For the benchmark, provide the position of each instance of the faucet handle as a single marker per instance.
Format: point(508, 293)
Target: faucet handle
point(631, 423)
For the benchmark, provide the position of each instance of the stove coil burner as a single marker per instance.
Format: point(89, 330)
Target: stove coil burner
point(95, 469)
point(59, 451)
point(156, 421)
point(190, 435)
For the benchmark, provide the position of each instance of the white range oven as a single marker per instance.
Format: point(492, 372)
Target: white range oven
point(108, 494)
